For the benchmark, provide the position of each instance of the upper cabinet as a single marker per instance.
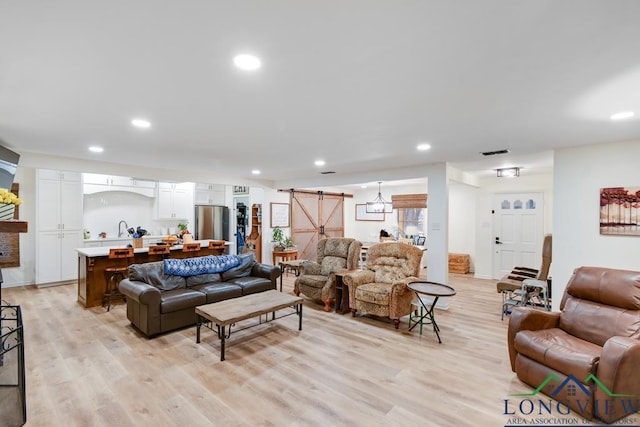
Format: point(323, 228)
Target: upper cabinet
point(175, 200)
point(95, 183)
point(209, 194)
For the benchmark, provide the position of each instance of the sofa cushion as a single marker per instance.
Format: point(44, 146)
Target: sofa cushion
point(219, 291)
point(241, 270)
point(152, 273)
point(560, 351)
point(374, 293)
point(252, 285)
point(180, 299)
point(203, 278)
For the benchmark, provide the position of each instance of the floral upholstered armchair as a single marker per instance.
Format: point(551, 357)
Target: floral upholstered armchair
point(381, 289)
point(316, 280)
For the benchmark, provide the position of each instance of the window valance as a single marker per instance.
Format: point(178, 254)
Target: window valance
point(409, 201)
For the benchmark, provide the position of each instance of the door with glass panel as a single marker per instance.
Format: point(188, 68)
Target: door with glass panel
point(518, 220)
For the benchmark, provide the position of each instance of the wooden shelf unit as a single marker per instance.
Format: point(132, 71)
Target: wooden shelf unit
point(254, 240)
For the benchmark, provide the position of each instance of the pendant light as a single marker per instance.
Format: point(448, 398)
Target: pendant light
point(379, 205)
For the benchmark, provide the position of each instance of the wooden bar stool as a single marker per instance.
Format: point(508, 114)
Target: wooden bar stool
point(217, 246)
point(158, 252)
point(113, 275)
point(191, 247)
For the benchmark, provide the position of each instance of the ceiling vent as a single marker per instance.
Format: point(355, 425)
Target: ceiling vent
point(327, 172)
point(495, 153)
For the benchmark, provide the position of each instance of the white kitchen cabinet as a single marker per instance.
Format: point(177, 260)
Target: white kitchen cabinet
point(58, 225)
point(175, 200)
point(95, 183)
point(209, 194)
point(56, 256)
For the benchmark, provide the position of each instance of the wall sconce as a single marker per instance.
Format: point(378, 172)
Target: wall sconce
point(508, 172)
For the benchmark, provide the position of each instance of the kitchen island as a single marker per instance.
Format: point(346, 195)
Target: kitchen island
point(92, 262)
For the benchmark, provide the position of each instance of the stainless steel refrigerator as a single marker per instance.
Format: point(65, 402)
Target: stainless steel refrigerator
point(211, 222)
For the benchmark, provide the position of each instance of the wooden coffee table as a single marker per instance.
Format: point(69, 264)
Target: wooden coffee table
point(230, 311)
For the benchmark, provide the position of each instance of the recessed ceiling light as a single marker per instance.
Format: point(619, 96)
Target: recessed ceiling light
point(247, 62)
point(319, 162)
point(141, 123)
point(622, 115)
point(423, 147)
point(363, 186)
point(255, 172)
point(96, 149)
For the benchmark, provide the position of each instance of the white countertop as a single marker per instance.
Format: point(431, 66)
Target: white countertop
point(104, 250)
point(127, 237)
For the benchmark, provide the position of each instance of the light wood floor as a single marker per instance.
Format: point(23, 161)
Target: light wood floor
point(87, 367)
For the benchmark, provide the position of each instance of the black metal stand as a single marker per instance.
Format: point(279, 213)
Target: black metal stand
point(430, 316)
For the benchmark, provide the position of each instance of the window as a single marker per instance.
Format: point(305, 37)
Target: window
point(410, 222)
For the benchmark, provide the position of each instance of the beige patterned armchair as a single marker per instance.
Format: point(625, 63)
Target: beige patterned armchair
point(381, 289)
point(316, 280)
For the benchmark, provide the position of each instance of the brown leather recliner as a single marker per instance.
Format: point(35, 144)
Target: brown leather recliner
point(594, 341)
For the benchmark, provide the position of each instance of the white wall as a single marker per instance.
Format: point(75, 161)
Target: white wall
point(462, 220)
point(369, 231)
point(579, 174)
point(103, 211)
point(484, 220)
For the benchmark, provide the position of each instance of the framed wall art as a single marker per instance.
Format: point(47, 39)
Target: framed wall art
point(240, 189)
point(280, 215)
point(620, 211)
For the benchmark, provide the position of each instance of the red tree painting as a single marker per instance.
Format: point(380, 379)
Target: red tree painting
point(619, 208)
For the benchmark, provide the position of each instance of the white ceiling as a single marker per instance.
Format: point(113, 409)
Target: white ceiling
point(358, 83)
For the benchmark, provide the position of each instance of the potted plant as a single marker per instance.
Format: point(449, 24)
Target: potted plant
point(277, 238)
point(289, 243)
point(8, 203)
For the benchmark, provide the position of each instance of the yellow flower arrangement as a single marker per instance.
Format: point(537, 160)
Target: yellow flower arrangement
point(7, 197)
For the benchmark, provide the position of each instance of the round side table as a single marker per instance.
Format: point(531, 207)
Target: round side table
point(431, 289)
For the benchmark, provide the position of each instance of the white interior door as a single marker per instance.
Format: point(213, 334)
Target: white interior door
point(518, 220)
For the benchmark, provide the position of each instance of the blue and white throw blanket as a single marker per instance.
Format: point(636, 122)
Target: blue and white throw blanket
point(200, 265)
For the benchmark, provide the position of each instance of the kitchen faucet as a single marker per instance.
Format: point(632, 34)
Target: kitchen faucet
point(120, 232)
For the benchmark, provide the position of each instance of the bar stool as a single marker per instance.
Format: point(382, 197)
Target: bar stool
point(191, 247)
point(218, 246)
point(113, 275)
point(158, 252)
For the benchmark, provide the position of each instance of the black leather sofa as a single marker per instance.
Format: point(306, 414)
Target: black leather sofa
point(159, 302)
